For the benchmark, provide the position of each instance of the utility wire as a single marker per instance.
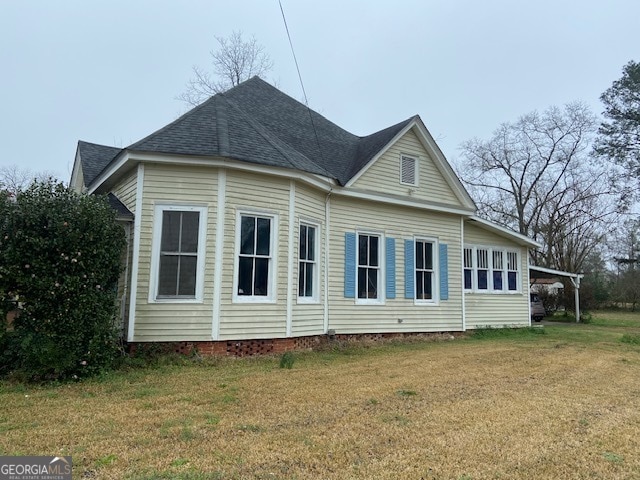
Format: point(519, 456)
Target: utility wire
point(304, 92)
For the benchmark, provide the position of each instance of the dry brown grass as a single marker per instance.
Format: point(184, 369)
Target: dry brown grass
point(539, 407)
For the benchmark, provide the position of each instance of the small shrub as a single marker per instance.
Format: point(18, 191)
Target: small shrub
point(286, 360)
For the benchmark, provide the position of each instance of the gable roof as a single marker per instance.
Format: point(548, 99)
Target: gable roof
point(94, 159)
point(257, 123)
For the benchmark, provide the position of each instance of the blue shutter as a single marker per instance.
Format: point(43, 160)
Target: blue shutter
point(390, 252)
point(409, 269)
point(350, 265)
point(444, 272)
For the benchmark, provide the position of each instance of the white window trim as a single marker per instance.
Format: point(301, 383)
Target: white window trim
point(315, 298)
point(159, 208)
point(505, 272)
point(381, 271)
point(416, 160)
point(436, 272)
point(273, 268)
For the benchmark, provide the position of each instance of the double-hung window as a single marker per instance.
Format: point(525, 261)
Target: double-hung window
point(369, 275)
point(307, 263)
point(425, 275)
point(178, 253)
point(498, 270)
point(482, 269)
point(512, 271)
point(468, 268)
point(254, 268)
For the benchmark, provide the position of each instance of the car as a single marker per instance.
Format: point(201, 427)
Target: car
point(537, 307)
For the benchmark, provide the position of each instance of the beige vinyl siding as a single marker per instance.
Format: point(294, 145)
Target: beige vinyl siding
point(175, 321)
point(401, 224)
point(254, 193)
point(384, 174)
point(497, 309)
point(308, 319)
point(125, 190)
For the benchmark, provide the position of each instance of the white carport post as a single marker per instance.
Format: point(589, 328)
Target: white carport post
point(576, 290)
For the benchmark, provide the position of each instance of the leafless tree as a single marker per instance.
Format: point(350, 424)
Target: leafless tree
point(14, 178)
point(536, 176)
point(235, 61)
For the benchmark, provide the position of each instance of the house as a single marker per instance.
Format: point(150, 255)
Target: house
point(256, 223)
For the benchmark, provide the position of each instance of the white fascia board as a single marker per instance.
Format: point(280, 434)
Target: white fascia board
point(76, 173)
point(398, 136)
point(405, 202)
point(558, 273)
point(113, 167)
point(436, 154)
point(505, 232)
point(318, 181)
point(429, 143)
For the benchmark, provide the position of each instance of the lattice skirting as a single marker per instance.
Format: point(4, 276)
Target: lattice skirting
point(246, 348)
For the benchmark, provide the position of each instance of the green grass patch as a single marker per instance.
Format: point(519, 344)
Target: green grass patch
point(631, 338)
point(507, 332)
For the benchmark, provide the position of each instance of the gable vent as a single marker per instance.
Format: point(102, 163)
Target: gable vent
point(408, 170)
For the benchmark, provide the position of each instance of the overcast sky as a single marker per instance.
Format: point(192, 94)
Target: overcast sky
point(108, 71)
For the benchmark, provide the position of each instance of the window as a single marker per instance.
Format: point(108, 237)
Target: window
point(255, 258)
point(490, 269)
point(498, 266)
point(368, 266)
point(482, 268)
point(425, 277)
point(307, 267)
point(512, 271)
point(408, 170)
point(468, 268)
point(178, 253)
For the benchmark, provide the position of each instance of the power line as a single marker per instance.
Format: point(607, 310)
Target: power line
point(304, 92)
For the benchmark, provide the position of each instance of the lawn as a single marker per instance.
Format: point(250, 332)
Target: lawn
point(562, 401)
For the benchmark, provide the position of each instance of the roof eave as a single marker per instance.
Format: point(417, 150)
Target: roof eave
point(520, 239)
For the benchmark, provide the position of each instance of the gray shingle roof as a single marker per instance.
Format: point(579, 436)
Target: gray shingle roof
point(121, 210)
point(94, 159)
point(257, 123)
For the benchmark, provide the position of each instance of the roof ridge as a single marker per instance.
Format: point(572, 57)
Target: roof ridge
point(273, 139)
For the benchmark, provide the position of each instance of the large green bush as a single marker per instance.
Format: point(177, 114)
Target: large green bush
point(60, 257)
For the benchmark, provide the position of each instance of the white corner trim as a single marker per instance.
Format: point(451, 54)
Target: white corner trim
point(290, 252)
point(462, 291)
point(327, 231)
point(136, 253)
point(219, 255)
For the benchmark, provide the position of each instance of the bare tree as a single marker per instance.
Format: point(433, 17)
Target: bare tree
point(536, 177)
point(235, 61)
point(14, 178)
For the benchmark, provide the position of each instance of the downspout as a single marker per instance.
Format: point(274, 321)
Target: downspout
point(327, 232)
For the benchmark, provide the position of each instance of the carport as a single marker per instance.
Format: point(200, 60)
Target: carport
point(536, 273)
